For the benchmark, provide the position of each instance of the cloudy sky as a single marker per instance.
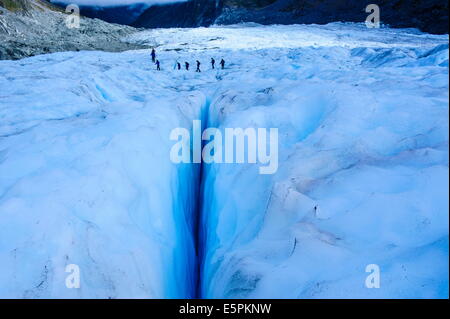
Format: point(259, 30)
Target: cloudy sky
point(113, 2)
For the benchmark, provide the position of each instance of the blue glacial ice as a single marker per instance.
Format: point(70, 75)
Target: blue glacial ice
point(86, 179)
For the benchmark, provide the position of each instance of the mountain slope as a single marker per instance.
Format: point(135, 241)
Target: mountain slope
point(28, 5)
point(30, 27)
point(121, 14)
point(181, 14)
point(426, 15)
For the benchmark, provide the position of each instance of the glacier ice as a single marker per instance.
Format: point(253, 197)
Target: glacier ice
point(362, 114)
point(85, 179)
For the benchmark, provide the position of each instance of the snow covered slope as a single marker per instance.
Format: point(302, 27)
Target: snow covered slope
point(85, 174)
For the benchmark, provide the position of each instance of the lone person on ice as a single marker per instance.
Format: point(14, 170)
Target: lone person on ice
point(153, 55)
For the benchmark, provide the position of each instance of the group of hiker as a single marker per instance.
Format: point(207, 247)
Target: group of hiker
point(186, 64)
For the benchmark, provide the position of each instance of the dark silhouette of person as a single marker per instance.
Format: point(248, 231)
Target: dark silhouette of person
point(153, 55)
point(222, 64)
point(198, 66)
point(157, 65)
point(213, 62)
point(186, 64)
point(178, 66)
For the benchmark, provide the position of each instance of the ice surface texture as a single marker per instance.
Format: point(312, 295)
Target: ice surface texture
point(85, 174)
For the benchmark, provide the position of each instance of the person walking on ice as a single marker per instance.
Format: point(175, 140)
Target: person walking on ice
point(198, 66)
point(213, 62)
point(178, 65)
point(153, 55)
point(222, 64)
point(186, 64)
point(157, 65)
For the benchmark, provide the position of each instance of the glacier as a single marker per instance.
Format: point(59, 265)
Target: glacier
point(362, 114)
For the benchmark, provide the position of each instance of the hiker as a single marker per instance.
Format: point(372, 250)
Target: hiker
point(153, 55)
point(198, 66)
point(157, 65)
point(178, 65)
point(213, 62)
point(222, 64)
point(186, 64)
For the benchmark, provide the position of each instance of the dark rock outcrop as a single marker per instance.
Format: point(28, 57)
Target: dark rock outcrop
point(426, 15)
point(192, 13)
